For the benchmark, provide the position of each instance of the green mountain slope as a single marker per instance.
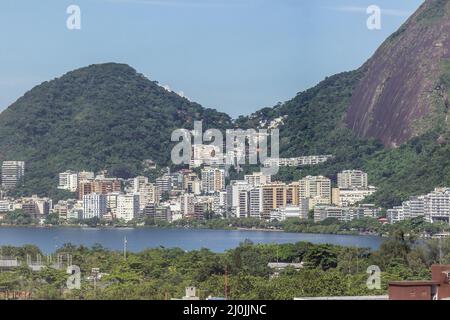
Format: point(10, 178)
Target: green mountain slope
point(100, 117)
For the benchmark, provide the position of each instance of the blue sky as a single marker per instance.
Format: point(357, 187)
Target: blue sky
point(233, 55)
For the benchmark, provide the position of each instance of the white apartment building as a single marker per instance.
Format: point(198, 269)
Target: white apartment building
point(437, 205)
point(344, 213)
point(127, 206)
point(234, 197)
point(315, 188)
point(298, 212)
point(349, 179)
point(94, 205)
point(12, 173)
point(68, 180)
point(212, 180)
point(111, 202)
point(298, 161)
point(349, 197)
point(205, 154)
point(6, 206)
point(220, 203)
point(257, 179)
point(86, 175)
point(395, 214)
point(187, 206)
point(255, 202)
point(434, 206)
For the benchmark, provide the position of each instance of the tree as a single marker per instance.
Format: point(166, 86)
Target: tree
point(18, 217)
point(52, 219)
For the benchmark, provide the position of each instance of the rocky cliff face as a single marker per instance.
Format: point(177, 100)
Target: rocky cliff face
point(402, 92)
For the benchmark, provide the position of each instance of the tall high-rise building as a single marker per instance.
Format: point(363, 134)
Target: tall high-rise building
point(164, 183)
point(213, 180)
point(274, 196)
point(194, 186)
point(244, 204)
point(315, 188)
point(292, 194)
point(255, 202)
point(127, 206)
point(349, 179)
point(233, 196)
point(12, 173)
point(94, 205)
point(220, 203)
point(148, 193)
point(187, 205)
point(85, 187)
point(68, 180)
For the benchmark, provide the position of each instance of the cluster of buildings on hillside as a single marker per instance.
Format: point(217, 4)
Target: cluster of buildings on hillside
point(196, 194)
point(434, 206)
point(212, 155)
point(298, 161)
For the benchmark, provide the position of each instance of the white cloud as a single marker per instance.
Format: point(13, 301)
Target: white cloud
point(180, 93)
point(167, 87)
point(388, 12)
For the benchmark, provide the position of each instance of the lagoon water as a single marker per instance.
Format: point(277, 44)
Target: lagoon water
point(50, 239)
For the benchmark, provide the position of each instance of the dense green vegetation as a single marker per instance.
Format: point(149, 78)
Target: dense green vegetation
point(164, 273)
point(99, 117)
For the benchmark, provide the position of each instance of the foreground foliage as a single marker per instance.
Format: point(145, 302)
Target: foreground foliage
point(162, 273)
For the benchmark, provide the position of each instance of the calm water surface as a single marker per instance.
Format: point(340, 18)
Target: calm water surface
point(50, 239)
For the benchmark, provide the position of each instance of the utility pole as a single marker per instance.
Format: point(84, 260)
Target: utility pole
point(357, 262)
point(277, 253)
point(95, 273)
point(125, 242)
point(226, 283)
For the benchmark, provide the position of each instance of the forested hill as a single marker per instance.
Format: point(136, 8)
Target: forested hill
point(104, 116)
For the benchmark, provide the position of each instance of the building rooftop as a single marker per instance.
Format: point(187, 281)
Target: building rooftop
point(385, 297)
point(414, 283)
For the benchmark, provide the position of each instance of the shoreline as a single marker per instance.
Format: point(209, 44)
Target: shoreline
point(186, 228)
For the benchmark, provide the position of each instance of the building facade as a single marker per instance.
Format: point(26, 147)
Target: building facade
point(12, 173)
point(94, 205)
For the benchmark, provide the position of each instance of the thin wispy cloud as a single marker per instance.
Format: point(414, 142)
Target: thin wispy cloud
point(384, 11)
point(180, 93)
point(186, 3)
